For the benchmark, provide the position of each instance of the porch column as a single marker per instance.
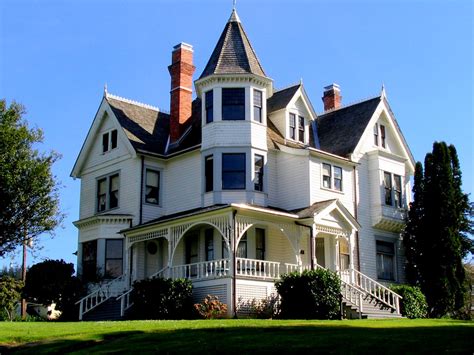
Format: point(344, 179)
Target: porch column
point(351, 257)
point(313, 251)
point(336, 259)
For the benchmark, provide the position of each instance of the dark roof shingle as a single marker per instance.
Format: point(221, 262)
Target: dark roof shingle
point(281, 98)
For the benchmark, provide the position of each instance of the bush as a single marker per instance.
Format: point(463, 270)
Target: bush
point(10, 296)
point(413, 303)
point(264, 308)
point(313, 294)
point(211, 308)
point(160, 298)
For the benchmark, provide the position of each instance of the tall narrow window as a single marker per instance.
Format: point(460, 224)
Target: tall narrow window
point(326, 176)
point(105, 142)
point(242, 248)
point(113, 258)
point(107, 192)
point(233, 171)
point(152, 186)
point(292, 126)
point(192, 249)
point(224, 249)
point(113, 139)
point(258, 166)
point(89, 261)
point(301, 129)
point(233, 104)
point(257, 105)
point(260, 243)
point(337, 178)
point(209, 172)
point(382, 136)
point(209, 97)
point(344, 255)
point(209, 244)
point(385, 260)
point(387, 182)
point(376, 134)
point(113, 191)
point(397, 191)
point(102, 194)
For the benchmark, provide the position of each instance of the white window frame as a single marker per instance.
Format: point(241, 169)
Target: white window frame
point(160, 179)
point(108, 192)
point(393, 191)
point(332, 179)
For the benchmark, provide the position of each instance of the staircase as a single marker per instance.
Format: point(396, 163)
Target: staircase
point(107, 310)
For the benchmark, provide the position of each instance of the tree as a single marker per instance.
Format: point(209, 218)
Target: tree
point(53, 281)
point(28, 190)
point(436, 237)
point(10, 294)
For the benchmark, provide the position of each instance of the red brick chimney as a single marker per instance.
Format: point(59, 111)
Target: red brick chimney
point(181, 71)
point(332, 97)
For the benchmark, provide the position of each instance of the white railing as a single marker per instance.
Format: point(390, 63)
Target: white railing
point(202, 270)
point(352, 295)
point(101, 294)
point(374, 288)
point(262, 269)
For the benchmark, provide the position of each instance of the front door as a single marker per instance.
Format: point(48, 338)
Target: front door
point(320, 252)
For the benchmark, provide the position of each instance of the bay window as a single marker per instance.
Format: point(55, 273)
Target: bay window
point(233, 104)
point(233, 171)
point(107, 192)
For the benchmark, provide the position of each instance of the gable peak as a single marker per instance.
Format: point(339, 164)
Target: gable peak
point(234, 17)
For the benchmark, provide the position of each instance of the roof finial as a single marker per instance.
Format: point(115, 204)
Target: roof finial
point(234, 4)
point(234, 17)
point(301, 81)
point(105, 90)
point(382, 92)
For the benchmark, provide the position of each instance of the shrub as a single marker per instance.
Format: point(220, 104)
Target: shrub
point(10, 296)
point(413, 303)
point(264, 308)
point(211, 308)
point(160, 298)
point(313, 294)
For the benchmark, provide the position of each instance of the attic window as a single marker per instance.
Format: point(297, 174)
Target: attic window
point(292, 126)
point(382, 135)
point(109, 141)
point(301, 129)
point(233, 104)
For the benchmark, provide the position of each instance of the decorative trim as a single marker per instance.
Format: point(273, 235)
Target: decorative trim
point(133, 102)
point(161, 233)
point(331, 230)
point(102, 219)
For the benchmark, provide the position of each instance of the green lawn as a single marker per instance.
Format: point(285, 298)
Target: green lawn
point(240, 336)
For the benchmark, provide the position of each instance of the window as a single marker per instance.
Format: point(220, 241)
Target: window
point(242, 248)
point(260, 243)
point(376, 134)
point(107, 192)
point(387, 183)
point(258, 166)
point(109, 140)
point(209, 173)
point(301, 129)
point(393, 189)
point(257, 105)
point(113, 258)
point(224, 249)
point(89, 261)
point(209, 244)
point(152, 186)
point(382, 135)
point(385, 260)
point(191, 248)
point(326, 175)
point(397, 191)
point(344, 255)
point(233, 104)
point(233, 171)
point(337, 178)
point(292, 126)
point(209, 97)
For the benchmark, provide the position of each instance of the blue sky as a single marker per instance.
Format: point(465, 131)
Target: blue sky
point(56, 56)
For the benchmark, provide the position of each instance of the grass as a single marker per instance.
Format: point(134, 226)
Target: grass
point(240, 336)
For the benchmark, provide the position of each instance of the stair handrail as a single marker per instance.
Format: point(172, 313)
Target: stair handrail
point(99, 296)
point(352, 295)
point(376, 290)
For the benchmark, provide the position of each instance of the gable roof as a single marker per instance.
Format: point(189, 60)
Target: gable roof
point(280, 99)
point(233, 53)
point(340, 130)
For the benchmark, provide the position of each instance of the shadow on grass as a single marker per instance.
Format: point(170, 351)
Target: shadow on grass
point(325, 339)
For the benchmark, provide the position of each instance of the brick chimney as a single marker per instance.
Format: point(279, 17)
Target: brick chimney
point(332, 97)
point(181, 71)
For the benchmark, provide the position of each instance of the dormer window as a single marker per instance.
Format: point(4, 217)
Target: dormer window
point(109, 141)
point(382, 135)
point(301, 129)
point(376, 134)
point(209, 98)
point(257, 106)
point(296, 128)
point(293, 126)
point(233, 104)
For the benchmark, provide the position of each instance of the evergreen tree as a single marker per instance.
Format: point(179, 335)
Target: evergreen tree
point(436, 236)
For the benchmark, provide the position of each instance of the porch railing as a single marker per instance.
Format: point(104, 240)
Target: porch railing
point(201, 270)
point(262, 269)
point(372, 287)
point(101, 294)
point(353, 296)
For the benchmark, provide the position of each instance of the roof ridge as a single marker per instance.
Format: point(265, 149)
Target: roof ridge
point(349, 105)
point(245, 37)
point(298, 83)
point(132, 102)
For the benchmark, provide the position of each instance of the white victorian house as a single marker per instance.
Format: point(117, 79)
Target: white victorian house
point(240, 185)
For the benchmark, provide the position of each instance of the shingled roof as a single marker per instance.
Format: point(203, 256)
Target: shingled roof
point(340, 130)
point(281, 98)
point(233, 53)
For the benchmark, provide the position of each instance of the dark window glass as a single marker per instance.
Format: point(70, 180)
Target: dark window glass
point(233, 104)
point(385, 260)
point(209, 106)
point(337, 178)
point(152, 186)
point(259, 163)
point(387, 182)
point(102, 194)
point(113, 257)
point(233, 171)
point(292, 126)
point(209, 240)
point(89, 261)
point(113, 191)
point(376, 134)
point(191, 245)
point(326, 176)
point(382, 135)
point(242, 248)
point(152, 248)
point(105, 142)
point(260, 243)
point(113, 139)
point(397, 193)
point(257, 106)
point(301, 129)
point(209, 173)
point(224, 249)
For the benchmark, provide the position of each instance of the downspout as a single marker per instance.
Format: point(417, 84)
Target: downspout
point(141, 190)
point(234, 266)
point(356, 217)
point(311, 242)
